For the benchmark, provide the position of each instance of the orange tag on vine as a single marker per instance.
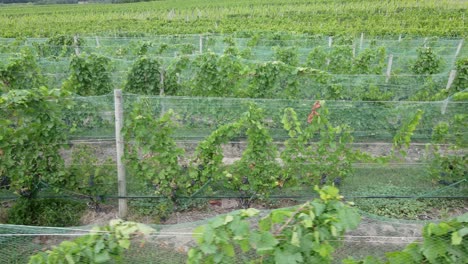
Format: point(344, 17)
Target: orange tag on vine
point(313, 112)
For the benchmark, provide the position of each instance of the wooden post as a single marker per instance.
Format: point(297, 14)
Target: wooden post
point(171, 15)
point(161, 92)
point(201, 44)
point(77, 47)
point(453, 74)
point(97, 42)
point(361, 42)
point(330, 42)
point(399, 38)
point(460, 45)
point(389, 67)
point(443, 108)
point(121, 181)
point(161, 89)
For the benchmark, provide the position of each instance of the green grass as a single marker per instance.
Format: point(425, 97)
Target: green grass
point(150, 253)
point(403, 181)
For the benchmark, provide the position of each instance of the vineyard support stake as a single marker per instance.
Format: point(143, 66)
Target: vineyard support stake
point(97, 42)
point(453, 74)
point(75, 43)
point(361, 42)
point(460, 45)
point(389, 67)
point(119, 141)
point(330, 41)
point(201, 44)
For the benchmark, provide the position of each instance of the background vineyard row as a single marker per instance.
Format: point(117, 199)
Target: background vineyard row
point(420, 18)
point(226, 66)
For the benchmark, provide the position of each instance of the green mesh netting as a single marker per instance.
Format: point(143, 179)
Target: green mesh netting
point(408, 186)
point(345, 82)
point(373, 125)
point(170, 243)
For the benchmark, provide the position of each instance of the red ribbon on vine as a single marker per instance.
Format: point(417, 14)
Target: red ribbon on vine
point(313, 112)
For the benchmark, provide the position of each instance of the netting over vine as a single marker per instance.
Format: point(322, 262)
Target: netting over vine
point(402, 160)
point(170, 243)
point(332, 68)
point(357, 148)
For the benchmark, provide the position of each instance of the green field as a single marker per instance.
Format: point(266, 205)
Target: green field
point(374, 17)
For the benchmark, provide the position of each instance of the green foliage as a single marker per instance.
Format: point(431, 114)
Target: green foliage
point(373, 93)
point(458, 127)
point(402, 138)
point(317, 58)
point(445, 166)
point(427, 62)
point(228, 74)
point(224, 16)
point(209, 152)
point(302, 234)
point(13, 46)
point(158, 210)
point(442, 244)
point(340, 60)
point(22, 72)
point(46, 212)
point(152, 154)
point(161, 48)
point(318, 153)
point(88, 176)
point(460, 82)
point(256, 174)
point(216, 76)
point(370, 61)
point(410, 209)
point(287, 55)
point(460, 96)
point(232, 51)
point(81, 116)
point(274, 80)
point(187, 49)
point(31, 135)
point(448, 168)
point(229, 41)
point(429, 91)
point(102, 245)
point(172, 82)
point(343, 40)
point(90, 75)
point(143, 47)
point(440, 133)
point(144, 77)
point(451, 132)
point(59, 46)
